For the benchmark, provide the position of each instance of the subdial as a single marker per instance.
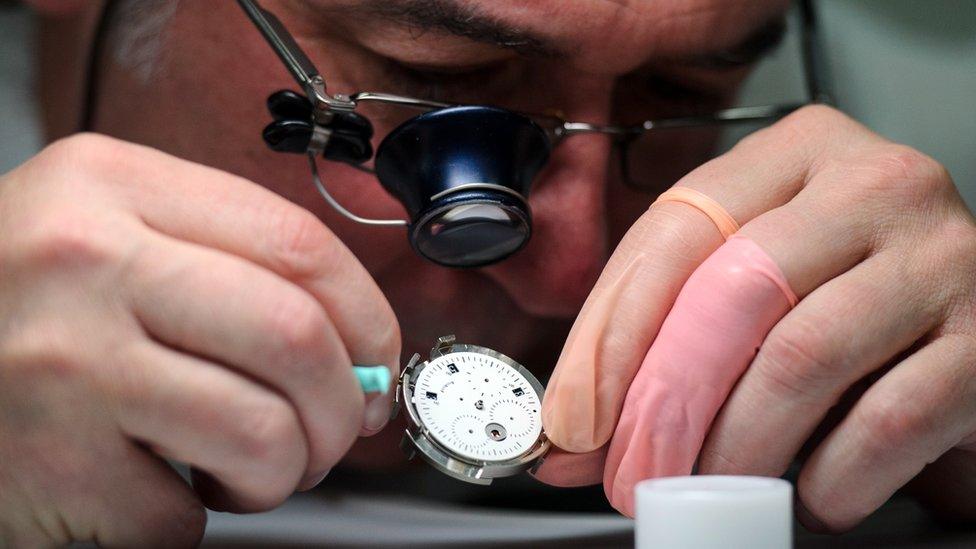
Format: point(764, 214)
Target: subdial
point(518, 417)
point(469, 432)
point(477, 407)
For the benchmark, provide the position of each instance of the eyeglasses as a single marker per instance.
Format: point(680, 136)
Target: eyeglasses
point(477, 213)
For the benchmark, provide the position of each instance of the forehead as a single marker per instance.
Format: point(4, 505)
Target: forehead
point(617, 35)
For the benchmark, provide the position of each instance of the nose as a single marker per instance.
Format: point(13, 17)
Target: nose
point(554, 273)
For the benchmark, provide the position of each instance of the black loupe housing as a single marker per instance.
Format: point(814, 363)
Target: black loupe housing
point(464, 174)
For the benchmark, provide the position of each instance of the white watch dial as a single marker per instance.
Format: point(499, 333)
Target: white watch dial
point(478, 407)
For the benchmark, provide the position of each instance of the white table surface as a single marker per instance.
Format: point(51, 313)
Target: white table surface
point(335, 519)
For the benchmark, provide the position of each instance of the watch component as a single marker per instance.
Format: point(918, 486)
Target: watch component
point(473, 413)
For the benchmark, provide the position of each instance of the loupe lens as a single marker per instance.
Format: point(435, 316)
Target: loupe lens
point(471, 234)
point(463, 174)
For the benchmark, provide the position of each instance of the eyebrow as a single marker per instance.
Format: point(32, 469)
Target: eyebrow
point(460, 20)
point(468, 22)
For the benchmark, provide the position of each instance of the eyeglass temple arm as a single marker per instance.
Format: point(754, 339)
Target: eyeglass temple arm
point(814, 73)
point(295, 60)
point(723, 117)
point(813, 56)
point(726, 116)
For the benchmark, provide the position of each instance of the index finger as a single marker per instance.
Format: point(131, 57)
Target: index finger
point(212, 208)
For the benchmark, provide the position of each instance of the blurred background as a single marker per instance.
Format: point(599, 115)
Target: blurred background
point(905, 68)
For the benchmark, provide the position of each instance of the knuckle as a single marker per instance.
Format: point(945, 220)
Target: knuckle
point(79, 153)
point(131, 386)
point(37, 354)
point(890, 422)
point(960, 234)
point(298, 324)
point(669, 232)
point(955, 243)
point(55, 230)
point(811, 117)
point(904, 174)
point(266, 432)
point(301, 246)
point(64, 240)
point(962, 230)
point(907, 163)
point(800, 124)
point(796, 360)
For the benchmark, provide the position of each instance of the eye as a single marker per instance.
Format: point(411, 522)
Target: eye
point(669, 90)
point(450, 75)
point(448, 70)
point(757, 44)
point(453, 82)
point(672, 88)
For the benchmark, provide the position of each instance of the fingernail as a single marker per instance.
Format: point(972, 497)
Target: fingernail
point(373, 379)
point(312, 481)
point(583, 400)
point(570, 427)
point(377, 413)
point(809, 521)
point(571, 411)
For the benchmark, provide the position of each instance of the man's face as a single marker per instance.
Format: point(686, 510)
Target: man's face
point(599, 61)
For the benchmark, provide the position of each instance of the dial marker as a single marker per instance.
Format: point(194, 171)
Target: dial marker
point(479, 419)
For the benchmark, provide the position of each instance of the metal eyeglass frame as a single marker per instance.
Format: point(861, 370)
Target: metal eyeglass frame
point(325, 105)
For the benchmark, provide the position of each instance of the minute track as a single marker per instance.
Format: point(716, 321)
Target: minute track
point(484, 420)
point(456, 399)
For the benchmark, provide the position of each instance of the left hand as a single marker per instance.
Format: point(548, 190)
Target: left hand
point(876, 243)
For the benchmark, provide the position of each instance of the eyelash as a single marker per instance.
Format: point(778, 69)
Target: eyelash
point(670, 86)
point(766, 39)
point(448, 83)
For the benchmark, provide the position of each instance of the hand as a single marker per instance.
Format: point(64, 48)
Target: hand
point(153, 308)
point(874, 240)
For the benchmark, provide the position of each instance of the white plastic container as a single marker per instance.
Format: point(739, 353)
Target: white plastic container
point(707, 511)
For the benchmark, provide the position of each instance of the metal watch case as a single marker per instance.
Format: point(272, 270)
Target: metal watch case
point(417, 439)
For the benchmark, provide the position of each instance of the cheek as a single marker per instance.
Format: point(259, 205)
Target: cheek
point(555, 271)
point(654, 163)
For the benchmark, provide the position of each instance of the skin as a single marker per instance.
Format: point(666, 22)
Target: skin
point(881, 337)
point(158, 306)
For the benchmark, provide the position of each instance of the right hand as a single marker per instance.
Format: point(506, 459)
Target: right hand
point(154, 308)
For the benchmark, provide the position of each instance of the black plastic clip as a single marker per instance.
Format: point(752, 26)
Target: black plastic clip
point(293, 126)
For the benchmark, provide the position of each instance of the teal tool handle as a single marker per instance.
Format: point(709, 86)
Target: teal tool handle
point(373, 379)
